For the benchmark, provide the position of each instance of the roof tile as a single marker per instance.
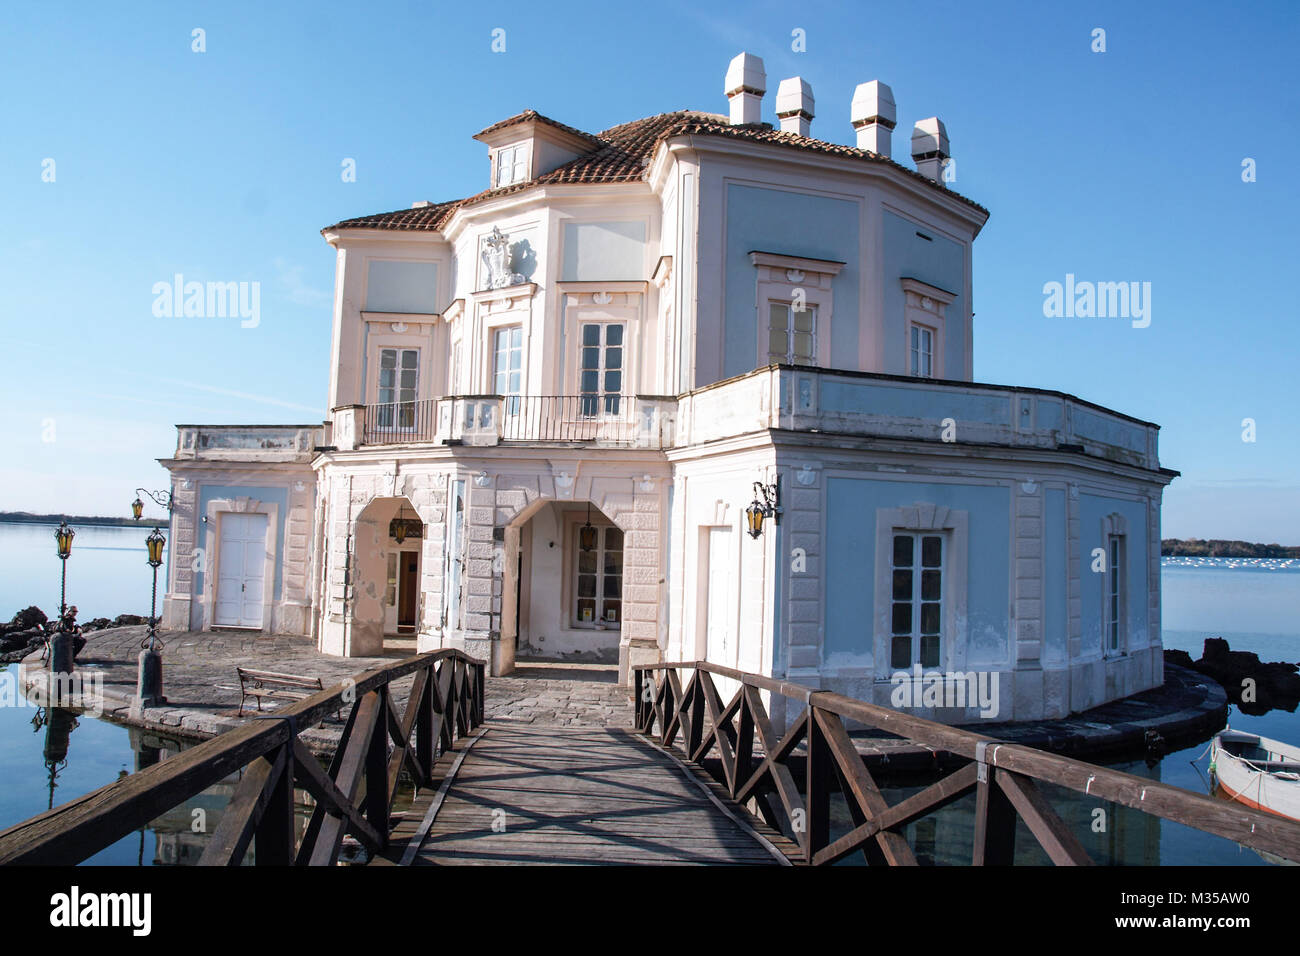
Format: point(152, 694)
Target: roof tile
point(621, 155)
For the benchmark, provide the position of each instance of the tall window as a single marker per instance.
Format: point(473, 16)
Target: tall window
point(512, 165)
point(398, 375)
point(1114, 592)
point(790, 334)
point(917, 608)
point(922, 348)
point(453, 373)
point(507, 367)
point(600, 379)
point(598, 583)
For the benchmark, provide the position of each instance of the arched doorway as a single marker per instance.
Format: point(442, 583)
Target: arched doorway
point(562, 583)
point(388, 538)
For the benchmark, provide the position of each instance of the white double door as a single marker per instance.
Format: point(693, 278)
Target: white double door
point(241, 570)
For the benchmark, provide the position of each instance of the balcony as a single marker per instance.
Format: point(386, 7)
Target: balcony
point(780, 397)
point(874, 405)
point(618, 421)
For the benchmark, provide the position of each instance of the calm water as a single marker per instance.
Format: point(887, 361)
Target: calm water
point(1255, 605)
point(107, 572)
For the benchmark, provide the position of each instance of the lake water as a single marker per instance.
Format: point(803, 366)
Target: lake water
point(1255, 605)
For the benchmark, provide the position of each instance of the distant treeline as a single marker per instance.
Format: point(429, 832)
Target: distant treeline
point(74, 520)
point(1214, 548)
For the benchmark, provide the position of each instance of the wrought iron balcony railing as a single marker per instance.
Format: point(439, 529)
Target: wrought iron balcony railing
point(603, 419)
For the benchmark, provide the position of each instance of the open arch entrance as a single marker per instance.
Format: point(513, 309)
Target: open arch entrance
point(563, 580)
point(388, 538)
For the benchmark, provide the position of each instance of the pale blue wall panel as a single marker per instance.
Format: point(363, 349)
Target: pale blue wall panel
point(851, 555)
point(791, 224)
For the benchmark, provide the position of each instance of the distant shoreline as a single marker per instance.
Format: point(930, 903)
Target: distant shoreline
point(26, 517)
point(1217, 548)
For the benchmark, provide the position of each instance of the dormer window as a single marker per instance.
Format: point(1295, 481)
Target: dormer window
point(511, 165)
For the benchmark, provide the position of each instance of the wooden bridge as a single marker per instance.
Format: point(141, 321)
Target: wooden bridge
point(696, 781)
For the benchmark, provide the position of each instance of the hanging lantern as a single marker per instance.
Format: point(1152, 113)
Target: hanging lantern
point(755, 514)
point(154, 544)
point(399, 532)
point(63, 536)
point(587, 534)
point(137, 508)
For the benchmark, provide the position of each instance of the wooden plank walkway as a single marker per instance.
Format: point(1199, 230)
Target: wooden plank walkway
point(576, 795)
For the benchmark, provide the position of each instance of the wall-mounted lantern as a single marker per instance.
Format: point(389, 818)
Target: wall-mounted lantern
point(587, 534)
point(766, 504)
point(162, 498)
point(401, 526)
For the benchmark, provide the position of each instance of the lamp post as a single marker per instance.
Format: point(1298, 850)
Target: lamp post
point(63, 644)
point(149, 684)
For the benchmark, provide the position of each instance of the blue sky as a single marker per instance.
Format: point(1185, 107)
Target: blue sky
point(224, 165)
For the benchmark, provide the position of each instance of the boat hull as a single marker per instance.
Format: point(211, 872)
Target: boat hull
point(1241, 779)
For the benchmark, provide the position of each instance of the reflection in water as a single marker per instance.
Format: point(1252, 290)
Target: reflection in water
point(58, 724)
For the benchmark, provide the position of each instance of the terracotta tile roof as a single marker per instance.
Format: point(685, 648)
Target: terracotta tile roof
point(622, 155)
point(527, 115)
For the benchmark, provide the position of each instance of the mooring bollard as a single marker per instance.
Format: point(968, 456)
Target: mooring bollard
point(63, 650)
point(149, 686)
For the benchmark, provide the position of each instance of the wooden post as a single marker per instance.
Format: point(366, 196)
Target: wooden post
point(818, 780)
point(424, 747)
point(995, 818)
point(377, 772)
point(695, 733)
point(273, 844)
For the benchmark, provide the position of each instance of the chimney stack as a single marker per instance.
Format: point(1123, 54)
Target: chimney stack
point(930, 148)
point(794, 105)
point(874, 116)
point(745, 85)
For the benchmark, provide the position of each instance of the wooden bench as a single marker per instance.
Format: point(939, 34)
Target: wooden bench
point(274, 686)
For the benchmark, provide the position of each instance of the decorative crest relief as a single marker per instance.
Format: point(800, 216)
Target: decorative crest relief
point(496, 256)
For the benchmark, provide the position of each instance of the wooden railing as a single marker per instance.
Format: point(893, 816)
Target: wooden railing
point(354, 796)
point(758, 769)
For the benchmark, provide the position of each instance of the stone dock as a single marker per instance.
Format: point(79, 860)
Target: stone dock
point(201, 685)
point(203, 698)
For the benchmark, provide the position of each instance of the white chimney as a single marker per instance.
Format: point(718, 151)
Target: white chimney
point(874, 116)
point(745, 85)
point(794, 105)
point(930, 148)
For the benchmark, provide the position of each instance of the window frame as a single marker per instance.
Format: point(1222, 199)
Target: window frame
point(925, 308)
point(791, 331)
point(924, 518)
point(1115, 590)
point(574, 521)
point(915, 352)
point(393, 407)
point(601, 397)
point(916, 599)
point(510, 399)
point(777, 278)
point(519, 156)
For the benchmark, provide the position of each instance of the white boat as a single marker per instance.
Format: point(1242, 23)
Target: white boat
point(1257, 771)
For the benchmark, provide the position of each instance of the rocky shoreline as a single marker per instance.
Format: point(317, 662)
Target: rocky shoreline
point(1254, 686)
point(28, 630)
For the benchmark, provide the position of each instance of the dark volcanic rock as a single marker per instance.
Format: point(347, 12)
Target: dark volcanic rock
point(25, 620)
point(127, 620)
point(1276, 685)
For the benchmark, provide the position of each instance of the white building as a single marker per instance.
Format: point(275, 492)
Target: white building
point(627, 331)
